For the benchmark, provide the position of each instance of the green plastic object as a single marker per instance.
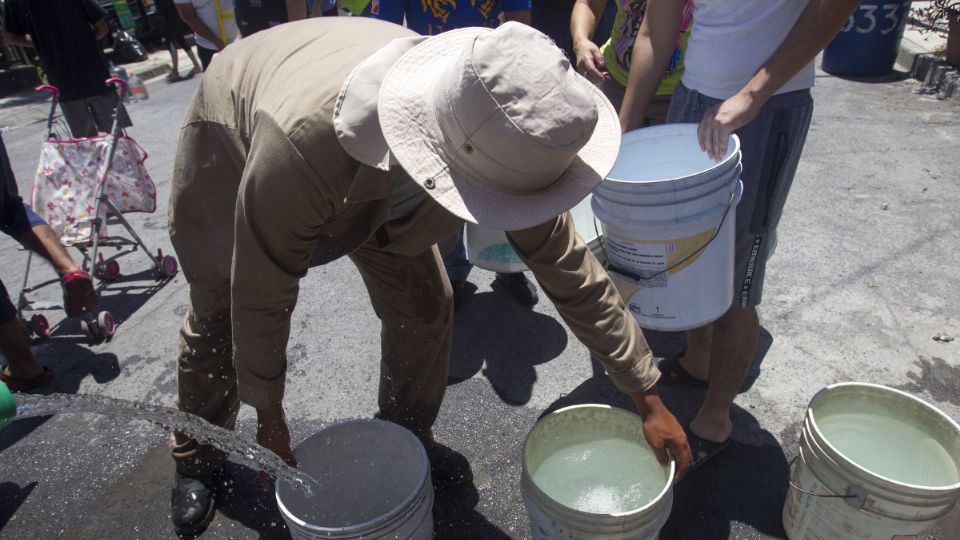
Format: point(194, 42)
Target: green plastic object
point(8, 406)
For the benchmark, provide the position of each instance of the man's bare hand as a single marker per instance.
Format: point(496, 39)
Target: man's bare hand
point(722, 120)
point(273, 434)
point(663, 432)
point(590, 61)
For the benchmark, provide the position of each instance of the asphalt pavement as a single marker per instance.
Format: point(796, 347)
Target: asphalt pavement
point(865, 275)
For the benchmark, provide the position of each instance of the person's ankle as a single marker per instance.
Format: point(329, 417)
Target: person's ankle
point(712, 429)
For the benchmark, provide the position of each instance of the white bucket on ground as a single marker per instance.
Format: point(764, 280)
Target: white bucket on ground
point(374, 482)
point(584, 437)
point(669, 216)
point(490, 250)
point(874, 463)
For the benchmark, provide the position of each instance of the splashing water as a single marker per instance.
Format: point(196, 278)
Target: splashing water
point(244, 451)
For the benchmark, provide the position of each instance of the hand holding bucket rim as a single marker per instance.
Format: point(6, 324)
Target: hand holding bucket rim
point(720, 121)
point(663, 432)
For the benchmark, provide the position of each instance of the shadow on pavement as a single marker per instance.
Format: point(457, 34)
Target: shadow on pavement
point(11, 497)
point(72, 364)
point(454, 508)
point(747, 484)
point(495, 334)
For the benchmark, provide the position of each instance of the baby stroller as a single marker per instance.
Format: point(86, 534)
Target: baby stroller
point(82, 186)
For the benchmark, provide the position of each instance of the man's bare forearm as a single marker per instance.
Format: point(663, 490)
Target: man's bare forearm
point(817, 25)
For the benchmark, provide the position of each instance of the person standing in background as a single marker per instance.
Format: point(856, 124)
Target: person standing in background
point(213, 22)
point(173, 32)
point(323, 8)
point(749, 68)
point(256, 15)
point(432, 17)
point(66, 34)
point(22, 373)
point(608, 66)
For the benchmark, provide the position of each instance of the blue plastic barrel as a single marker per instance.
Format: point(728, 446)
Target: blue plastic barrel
point(868, 43)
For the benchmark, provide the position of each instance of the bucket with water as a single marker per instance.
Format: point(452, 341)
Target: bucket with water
point(373, 482)
point(874, 463)
point(668, 214)
point(489, 249)
point(588, 472)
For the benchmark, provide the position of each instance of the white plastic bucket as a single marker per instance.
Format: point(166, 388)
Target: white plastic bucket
point(374, 482)
point(489, 249)
point(864, 481)
point(551, 519)
point(669, 216)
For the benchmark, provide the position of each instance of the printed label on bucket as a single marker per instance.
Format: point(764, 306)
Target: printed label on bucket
point(649, 263)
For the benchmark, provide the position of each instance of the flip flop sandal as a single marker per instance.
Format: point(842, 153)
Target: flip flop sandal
point(192, 73)
point(703, 450)
point(17, 384)
point(672, 373)
point(171, 78)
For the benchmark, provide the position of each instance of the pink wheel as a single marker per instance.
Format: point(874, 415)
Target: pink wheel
point(106, 324)
point(111, 270)
point(168, 266)
point(39, 326)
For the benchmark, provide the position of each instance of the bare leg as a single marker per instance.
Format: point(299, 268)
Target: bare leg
point(13, 344)
point(175, 61)
point(696, 361)
point(735, 338)
point(42, 240)
point(193, 58)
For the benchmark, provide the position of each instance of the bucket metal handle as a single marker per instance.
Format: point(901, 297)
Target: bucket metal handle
point(855, 496)
point(694, 253)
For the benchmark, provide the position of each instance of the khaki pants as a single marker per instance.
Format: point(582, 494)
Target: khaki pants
point(411, 296)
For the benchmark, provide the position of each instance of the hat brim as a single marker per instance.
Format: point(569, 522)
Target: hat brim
point(412, 131)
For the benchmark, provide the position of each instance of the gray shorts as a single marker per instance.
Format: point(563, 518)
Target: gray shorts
point(86, 117)
point(771, 145)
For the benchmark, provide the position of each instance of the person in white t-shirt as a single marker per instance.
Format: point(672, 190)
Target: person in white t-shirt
point(212, 21)
point(749, 70)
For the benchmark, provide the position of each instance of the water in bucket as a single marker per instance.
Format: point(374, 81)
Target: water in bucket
point(888, 445)
point(588, 473)
point(606, 476)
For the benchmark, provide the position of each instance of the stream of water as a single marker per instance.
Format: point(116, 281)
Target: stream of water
point(245, 452)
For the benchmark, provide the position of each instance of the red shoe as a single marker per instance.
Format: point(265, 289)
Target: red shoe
point(79, 296)
point(17, 384)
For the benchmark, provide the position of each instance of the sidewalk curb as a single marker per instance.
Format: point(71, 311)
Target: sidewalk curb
point(937, 76)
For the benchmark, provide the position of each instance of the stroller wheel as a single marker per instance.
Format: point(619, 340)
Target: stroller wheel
point(107, 270)
point(39, 326)
point(106, 324)
point(90, 328)
point(167, 266)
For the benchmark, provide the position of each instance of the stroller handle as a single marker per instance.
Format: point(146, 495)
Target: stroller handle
point(116, 81)
point(47, 88)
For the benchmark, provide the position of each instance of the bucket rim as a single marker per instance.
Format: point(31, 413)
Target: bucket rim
point(672, 466)
point(881, 388)
point(681, 128)
point(388, 516)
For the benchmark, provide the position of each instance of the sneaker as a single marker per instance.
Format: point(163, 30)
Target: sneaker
point(192, 503)
point(519, 287)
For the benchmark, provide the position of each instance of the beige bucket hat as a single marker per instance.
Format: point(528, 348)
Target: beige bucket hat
point(494, 125)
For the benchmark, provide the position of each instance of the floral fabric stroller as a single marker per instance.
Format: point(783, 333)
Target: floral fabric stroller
point(81, 187)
